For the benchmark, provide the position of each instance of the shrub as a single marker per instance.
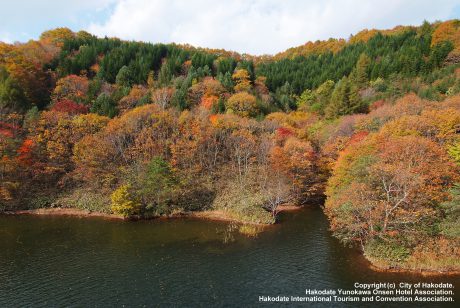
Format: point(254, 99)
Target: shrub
point(386, 253)
point(85, 200)
point(124, 203)
point(436, 254)
point(244, 204)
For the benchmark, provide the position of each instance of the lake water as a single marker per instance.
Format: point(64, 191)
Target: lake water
point(86, 262)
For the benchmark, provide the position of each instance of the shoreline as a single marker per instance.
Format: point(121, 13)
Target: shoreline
point(58, 211)
point(213, 215)
point(424, 273)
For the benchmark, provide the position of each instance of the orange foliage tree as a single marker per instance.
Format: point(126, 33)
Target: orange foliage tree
point(385, 184)
point(447, 31)
point(71, 87)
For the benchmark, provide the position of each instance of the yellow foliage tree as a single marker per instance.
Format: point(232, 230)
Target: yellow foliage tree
point(57, 36)
point(124, 203)
point(242, 80)
point(242, 104)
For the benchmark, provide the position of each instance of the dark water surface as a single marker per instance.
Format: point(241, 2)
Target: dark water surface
point(86, 262)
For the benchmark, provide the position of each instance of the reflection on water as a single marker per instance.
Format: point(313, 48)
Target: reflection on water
point(64, 261)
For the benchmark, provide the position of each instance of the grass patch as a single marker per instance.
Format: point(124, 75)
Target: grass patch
point(85, 200)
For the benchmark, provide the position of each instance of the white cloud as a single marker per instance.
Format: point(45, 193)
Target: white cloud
point(257, 26)
point(253, 26)
point(26, 19)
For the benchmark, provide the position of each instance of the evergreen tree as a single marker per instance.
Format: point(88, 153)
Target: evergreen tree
point(360, 74)
point(226, 80)
point(105, 105)
point(11, 93)
point(165, 75)
point(340, 99)
point(345, 100)
point(284, 97)
point(323, 96)
point(124, 77)
point(225, 65)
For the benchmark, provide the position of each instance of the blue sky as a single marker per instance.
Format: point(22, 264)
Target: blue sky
point(252, 26)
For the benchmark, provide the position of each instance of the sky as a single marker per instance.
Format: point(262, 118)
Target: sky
point(248, 26)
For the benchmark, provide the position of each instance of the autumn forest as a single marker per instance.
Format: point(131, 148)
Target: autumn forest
point(368, 127)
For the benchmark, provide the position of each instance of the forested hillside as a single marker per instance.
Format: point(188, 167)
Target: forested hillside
point(370, 124)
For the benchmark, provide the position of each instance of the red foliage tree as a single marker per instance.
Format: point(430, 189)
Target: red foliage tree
point(70, 107)
point(25, 152)
point(283, 133)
